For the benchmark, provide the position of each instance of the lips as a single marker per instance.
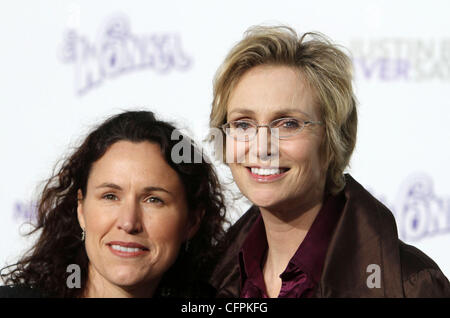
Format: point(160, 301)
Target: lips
point(267, 171)
point(266, 174)
point(128, 244)
point(127, 249)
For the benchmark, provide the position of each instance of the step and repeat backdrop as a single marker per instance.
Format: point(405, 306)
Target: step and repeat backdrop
point(67, 65)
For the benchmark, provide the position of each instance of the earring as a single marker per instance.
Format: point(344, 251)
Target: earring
point(83, 234)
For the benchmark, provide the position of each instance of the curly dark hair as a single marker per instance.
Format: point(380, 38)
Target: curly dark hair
point(59, 243)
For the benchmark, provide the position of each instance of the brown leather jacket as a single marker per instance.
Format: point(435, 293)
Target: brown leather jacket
point(365, 234)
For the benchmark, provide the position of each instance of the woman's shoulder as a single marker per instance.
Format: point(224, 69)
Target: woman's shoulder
point(20, 291)
point(422, 277)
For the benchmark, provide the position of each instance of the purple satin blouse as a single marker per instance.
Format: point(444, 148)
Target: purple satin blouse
point(302, 274)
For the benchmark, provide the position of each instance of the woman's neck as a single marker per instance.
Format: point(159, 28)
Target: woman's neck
point(285, 231)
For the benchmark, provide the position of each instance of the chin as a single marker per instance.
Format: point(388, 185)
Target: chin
point(126, 278)
point(263, 199)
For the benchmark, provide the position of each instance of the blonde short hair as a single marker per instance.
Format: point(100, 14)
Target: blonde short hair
point(327, 70)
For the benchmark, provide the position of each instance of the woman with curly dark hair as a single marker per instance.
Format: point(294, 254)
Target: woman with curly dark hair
point(129, 214)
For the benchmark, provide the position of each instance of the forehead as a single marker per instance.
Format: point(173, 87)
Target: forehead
point(141, 163)
point(269, 90)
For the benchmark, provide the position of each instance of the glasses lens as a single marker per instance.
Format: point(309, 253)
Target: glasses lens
point(241, 130)
point(287, 126)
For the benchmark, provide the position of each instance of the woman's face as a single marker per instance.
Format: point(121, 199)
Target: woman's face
point(263, 94)
point(135, 216)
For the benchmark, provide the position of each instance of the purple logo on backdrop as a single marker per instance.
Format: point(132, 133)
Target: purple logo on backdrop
point(25, 211)
point(117, 51)
point(418, 210)
point(397, 59)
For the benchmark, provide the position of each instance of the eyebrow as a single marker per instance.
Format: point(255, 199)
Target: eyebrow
point(117, 187)
point(241, 111)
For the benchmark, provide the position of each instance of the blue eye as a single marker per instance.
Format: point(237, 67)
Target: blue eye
point(290, 124)
point(242, 125)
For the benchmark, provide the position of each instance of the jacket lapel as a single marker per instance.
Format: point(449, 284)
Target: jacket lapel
point(364, 246)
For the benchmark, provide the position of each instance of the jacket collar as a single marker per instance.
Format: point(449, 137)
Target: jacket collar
point(366, 234)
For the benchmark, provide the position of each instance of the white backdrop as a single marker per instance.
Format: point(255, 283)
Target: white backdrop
point(63, 70)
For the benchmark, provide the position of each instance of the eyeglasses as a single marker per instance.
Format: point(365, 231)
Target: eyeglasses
point(245, 130)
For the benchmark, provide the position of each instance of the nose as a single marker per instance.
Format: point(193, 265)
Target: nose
point(266, 144)
point(130, 217)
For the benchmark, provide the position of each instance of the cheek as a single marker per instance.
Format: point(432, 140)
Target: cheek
point(305, 154)
point(98, 219)
point(235, 151)
point(234, 168)
point(98, 223)
point(167, 230)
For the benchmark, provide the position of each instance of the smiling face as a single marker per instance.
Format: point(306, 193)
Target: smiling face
point(263, 94)
point(135, 216)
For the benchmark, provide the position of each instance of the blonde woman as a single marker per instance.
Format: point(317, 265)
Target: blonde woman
point(286, 106)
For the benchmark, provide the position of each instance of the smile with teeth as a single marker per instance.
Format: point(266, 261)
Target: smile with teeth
point(127, 249)
point(267, 171)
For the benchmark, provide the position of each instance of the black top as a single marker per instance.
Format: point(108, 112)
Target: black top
point(192, 290)
point(20, 292)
